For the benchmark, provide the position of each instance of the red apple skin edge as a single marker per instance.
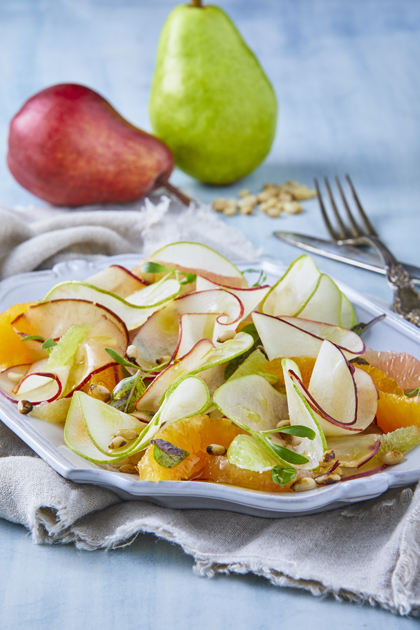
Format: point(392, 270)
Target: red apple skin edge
point(68, 146)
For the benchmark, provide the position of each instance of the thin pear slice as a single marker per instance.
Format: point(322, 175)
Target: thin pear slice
point(294, 288)
point(202, 357)
point(192, 328)
point(159, 336)
point(340, 396)
point(200, 259)
point(324, 305)
point(347, 313)
point(301, 413)
point(252, 403)
point(117, 280)
point(133, 311)
point(91, 425)
point(295, 337)
point(250, 298)
point(53, 319)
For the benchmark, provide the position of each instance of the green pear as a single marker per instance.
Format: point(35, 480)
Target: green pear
point(211, 101)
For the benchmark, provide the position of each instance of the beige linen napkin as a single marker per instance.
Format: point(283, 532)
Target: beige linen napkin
point(367, 552)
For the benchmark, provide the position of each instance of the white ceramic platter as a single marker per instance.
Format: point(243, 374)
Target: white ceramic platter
point(47, 439)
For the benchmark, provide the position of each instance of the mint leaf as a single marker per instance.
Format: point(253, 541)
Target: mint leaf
point(287, 455)
point(298, 429)
point(33, 337)
point(261, 278)
point(119, 359)
point(152, 267)
point(48, 345)
point(281, 475)
point(168, 455)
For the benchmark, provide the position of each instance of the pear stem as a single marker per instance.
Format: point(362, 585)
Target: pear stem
point(175, 191)
point(196, 3)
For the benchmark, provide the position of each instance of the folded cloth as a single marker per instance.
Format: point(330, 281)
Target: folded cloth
point(367, 552)
point(27, 244)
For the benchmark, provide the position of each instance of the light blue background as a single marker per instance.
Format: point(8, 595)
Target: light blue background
point(346, 73)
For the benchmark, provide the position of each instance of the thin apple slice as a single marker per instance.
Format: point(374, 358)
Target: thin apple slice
point(324, 305)
point(295, 337)
point(53, 319)
point(202, 260)
point(159, 336)
point(54, 412)
point(133, 311)
point(300, 413)
point(353, 451)
point(347, 314)
point(202, 357)
point(117, 280)
point(192, 328)
point(36, 387)
point(250, 298)
point(340, 396)
point(294, 288)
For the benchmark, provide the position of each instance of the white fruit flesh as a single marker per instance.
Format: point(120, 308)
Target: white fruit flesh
point(196, 256)
point(293, 289)
point(301, 413)
point(118, 280)
point(347, 314)
point(251, 402)
point(133, 311)
point(250, 298)
point(354, 450)
point(192, 328)
point(324, 305)
point(295, 337)
point(159, 336)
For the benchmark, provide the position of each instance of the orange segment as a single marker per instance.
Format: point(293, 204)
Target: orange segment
point(383, 382)
point(109, 377)
point(305, 365)
point(395, 412)
point(12, 349)
point(220, 470)
point(193, 435)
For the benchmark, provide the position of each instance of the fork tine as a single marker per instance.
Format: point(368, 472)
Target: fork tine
point(327, 222)
point(368, 226)
point(356, 231)
point(342, 230)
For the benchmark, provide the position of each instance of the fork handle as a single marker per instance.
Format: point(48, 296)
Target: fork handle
point(406, 299)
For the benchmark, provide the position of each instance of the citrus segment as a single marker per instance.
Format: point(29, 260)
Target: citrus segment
point(395, 412)
point(108, 377)
point(193, 435)
point(219, 470)
point(402, 440)
point(401, 366)
point(305, 365)
point(383, 382)
point(12, 350)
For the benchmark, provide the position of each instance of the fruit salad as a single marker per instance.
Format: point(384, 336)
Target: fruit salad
point(179, 370)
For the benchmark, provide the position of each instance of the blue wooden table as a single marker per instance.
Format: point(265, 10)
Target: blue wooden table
point(346, 75)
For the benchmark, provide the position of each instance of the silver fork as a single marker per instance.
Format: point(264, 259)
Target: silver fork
point(406, 299)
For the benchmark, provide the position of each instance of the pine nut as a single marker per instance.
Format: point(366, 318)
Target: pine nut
point(24, 406)
point(127, 434)
point(244, 192)
point(15, 377)
point(225, 336)
point(219, 204)
point(216, 449)
point(391, 458)
point(246, 210)
point(303, 485)
point(327, 479)
point(327, 457)
point(100, 392)
point(142, 415)
point(128, 468)
point(117, 442)
point(274, 212)
point(292, 207)
point(230, 210)
point(132, 353)
point(283, 423)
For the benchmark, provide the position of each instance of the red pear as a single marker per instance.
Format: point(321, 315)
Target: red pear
point(68, 146)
